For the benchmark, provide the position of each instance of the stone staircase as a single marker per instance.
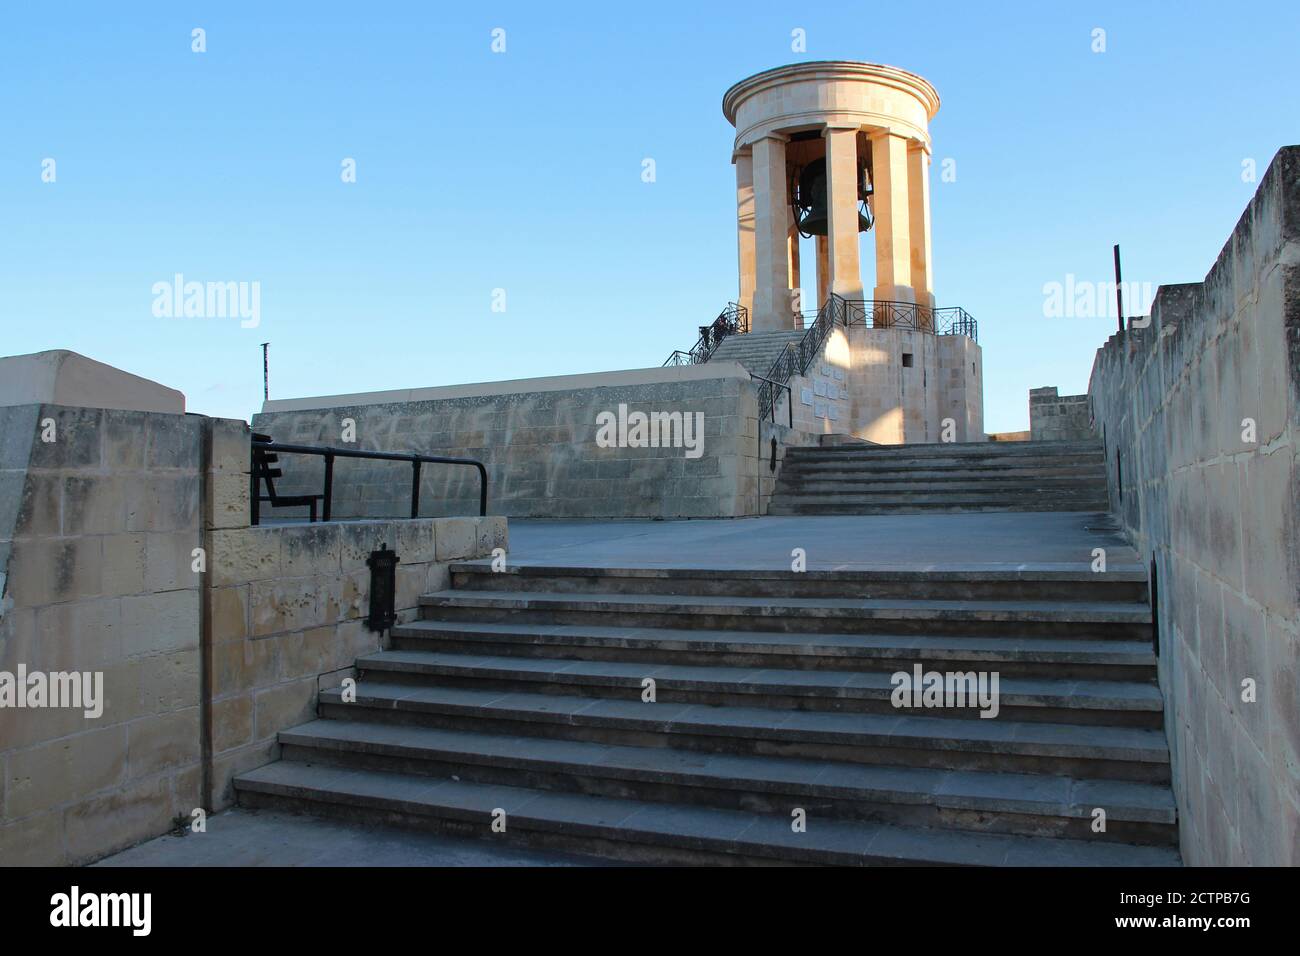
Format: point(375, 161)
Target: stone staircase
point(954, 477)
point(522, 692)
point(756, 350)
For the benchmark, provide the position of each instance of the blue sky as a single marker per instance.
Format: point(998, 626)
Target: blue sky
point(522, 171)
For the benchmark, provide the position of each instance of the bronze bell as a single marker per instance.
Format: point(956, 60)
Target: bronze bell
point(809, 201)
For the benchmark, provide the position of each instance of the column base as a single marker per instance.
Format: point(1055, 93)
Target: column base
point(895, 293)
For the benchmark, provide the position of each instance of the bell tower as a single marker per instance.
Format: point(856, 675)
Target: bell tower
point(830, 150)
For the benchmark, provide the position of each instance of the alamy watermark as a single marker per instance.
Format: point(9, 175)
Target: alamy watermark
point(58, 689)
point(626, 429)
point(1083, 299)
point(927, 689)
point(179, 299)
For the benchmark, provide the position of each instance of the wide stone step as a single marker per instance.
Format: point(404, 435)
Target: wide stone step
point(1090, 619)
point(991, 450)
point(1111, 703)
point(996, 484)
point(1023, 656)
point(969, 585)
point(795, 508)
point(1051, 498)
point(656, 832)
point(838, 471)
point(1004, 803)
point(1123, 753)
point(1081, 464)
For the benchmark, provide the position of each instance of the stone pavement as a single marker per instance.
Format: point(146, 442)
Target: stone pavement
point(269, 838)
point(1038, 541)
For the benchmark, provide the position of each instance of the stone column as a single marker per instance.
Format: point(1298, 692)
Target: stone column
point(842, 203)
point(792, 259)
point(918, 181)
point(771, 248)
point(823, 271)
point(890, 203)
point(745, 227)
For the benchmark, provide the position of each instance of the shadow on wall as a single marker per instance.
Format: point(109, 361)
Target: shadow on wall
point(1199, 412)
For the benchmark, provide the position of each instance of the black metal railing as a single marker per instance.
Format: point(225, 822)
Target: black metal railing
point(796, 359)
point(884, 314)
point(732, 320)
point(767, 399)
point(265, 453)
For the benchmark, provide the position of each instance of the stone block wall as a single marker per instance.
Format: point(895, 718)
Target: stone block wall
point(539, 447)
point(893, 386)
point(1054, 417)
point(1199, 413)
point(961, 385)
point(101, 509)
point(125, 551)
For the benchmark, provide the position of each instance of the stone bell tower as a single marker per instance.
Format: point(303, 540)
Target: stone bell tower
point(849, 143)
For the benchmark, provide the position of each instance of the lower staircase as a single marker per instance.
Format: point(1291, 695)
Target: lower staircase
point(523, 697)
point(953, 477)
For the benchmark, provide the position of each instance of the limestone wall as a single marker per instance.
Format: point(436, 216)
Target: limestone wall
point(1199, 414)
point(105, 517)
point(1054, 417)
point(125, 551)
point(539, 446)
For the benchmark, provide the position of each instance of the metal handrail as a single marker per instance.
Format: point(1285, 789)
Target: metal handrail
point(888, 314)
point(770, 386)
point(330, 453)
point(730, 321)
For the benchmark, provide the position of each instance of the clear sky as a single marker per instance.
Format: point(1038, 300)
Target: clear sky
point(522, 171)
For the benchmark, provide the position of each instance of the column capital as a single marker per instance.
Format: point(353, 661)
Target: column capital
point(840, 127)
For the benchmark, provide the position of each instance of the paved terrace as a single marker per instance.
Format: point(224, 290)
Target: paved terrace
point(1021, 541)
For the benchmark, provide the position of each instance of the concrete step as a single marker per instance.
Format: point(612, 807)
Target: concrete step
point(794, 507)
point(1039, 805)
point(1078, 619)
point(993, 484)
point(1108, 703)
point(955, 450)
point(1014, 656)
point(939, 467)
point(971, 585)
point(1051, 500)
point(655, 832)
point(1120, 753)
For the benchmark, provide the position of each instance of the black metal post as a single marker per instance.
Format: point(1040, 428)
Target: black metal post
point(327, 505)
point(415, 488)
point(1119, 290)
point(266, 372)
point(254, 501)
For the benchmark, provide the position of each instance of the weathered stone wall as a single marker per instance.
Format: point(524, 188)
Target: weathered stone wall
point(125, 549)
point(288, 604)
point(961, 385)
point(540, 450)
point(1199, 413)
point(1054, 417)
point(893, 386)
point(105, 517)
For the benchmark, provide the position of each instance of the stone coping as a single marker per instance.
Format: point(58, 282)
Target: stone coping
point(881, 73)
point(63, 377)
point(550, 383)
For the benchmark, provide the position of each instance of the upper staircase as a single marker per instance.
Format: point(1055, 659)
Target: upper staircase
point(952, 477)
point(757, 351)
